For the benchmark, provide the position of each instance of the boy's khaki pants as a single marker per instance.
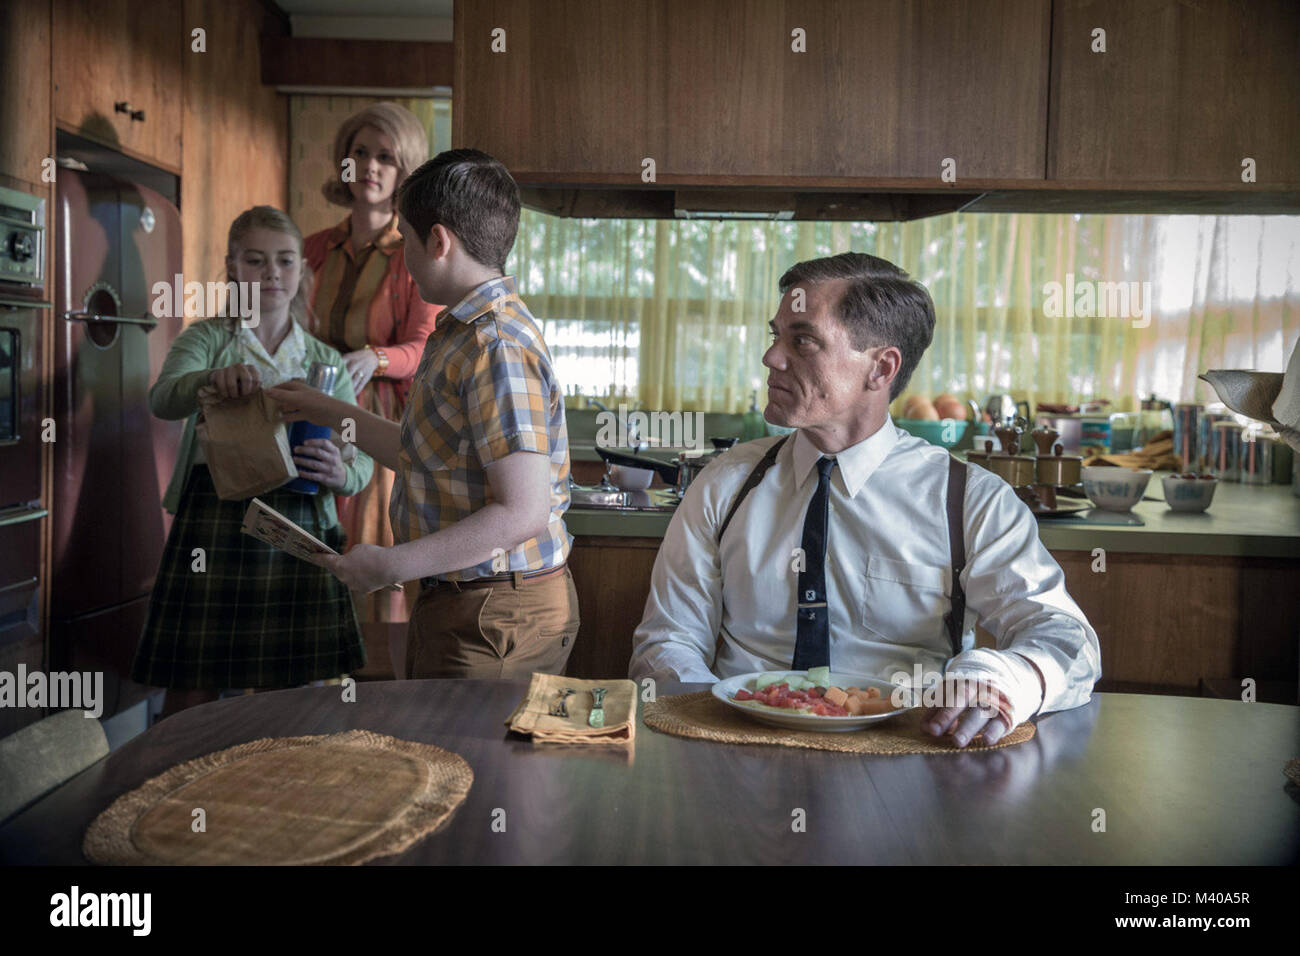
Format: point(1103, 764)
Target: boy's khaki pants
point(508, 629)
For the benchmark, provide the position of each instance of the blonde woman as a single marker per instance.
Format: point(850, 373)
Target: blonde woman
point(366, 304)
point(254, 616)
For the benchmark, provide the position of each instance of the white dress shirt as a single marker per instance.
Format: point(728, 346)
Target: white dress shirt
point(888, 575)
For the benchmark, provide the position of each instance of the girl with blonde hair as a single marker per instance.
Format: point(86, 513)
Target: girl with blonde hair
point(366, 304)
point(250, 615)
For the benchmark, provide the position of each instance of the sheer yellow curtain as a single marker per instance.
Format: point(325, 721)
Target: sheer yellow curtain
point(673, 315)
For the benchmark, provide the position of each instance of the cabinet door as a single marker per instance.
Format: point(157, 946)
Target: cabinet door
point(1182, 94)
point(121, 51)
point(714, 90)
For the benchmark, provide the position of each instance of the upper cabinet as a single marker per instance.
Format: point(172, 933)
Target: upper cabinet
point(854, 109)
point(1184, 92)
point(761, 92)
point(118, 75)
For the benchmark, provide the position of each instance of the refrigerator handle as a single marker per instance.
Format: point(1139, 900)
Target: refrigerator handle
point(147, 322)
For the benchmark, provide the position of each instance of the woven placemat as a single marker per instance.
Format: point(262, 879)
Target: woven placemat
point(704, 717)
point(336, 799)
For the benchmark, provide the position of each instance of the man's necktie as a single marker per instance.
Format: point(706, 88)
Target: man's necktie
point(812, 645)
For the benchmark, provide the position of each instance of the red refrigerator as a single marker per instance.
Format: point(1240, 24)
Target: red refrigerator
point(112, 457)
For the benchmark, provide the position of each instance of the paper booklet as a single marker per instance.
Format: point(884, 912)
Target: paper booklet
point(266, 524)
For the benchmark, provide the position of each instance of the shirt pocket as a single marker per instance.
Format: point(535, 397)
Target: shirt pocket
point(904, 603)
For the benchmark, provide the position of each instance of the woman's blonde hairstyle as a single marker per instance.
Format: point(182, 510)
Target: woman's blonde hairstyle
point(268, 217)
point(410, 143)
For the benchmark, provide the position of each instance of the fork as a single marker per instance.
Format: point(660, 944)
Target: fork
point(560, 710)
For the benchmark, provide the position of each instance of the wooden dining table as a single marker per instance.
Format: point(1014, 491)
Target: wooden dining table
point(1124, 779)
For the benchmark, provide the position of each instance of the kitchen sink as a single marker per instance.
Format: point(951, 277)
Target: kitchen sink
point(656, 499)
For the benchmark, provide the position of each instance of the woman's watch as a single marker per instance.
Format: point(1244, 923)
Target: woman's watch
point(383, 360)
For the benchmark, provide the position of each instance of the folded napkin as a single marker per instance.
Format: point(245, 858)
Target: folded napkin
point(533, 715)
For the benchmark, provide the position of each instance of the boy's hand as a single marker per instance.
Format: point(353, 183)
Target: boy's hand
point(319, 460)
point(365, 568)
point(299, 402)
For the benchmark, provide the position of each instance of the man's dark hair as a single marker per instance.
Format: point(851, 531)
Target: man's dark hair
point(881, 305)
point(469, 193)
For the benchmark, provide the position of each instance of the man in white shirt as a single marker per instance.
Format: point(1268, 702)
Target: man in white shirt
point(840, 553)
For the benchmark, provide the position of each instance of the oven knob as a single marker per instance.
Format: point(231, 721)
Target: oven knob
point(21, 247)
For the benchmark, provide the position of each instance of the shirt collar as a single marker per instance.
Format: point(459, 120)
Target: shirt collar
point(293, 344)
point(388, 240)
point(856, 462)
point(482, 299)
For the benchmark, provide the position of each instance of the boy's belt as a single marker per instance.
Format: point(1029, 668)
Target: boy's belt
point(513, 579)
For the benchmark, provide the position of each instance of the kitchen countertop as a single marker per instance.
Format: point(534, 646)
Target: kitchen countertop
point(1260, 521)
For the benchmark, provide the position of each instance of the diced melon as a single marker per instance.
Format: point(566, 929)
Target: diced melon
point(820, 676)
point(855, 706)
point(836, 696)
point(766, 680)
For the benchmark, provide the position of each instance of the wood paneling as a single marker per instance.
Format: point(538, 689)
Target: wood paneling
point(612, 577)
point(26, 135)
point(711, 88)
point(111, 51)
point(1165, 622)
point(312, 61)
point(1182, 94)
point(1169, 621)
point(236, 131)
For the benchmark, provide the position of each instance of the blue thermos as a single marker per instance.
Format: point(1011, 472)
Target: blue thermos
point(320, 376)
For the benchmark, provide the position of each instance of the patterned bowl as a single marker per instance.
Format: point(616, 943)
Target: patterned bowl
point(1115, 489)
point(1189, 494)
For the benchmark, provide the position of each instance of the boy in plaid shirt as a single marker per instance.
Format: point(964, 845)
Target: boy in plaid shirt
point(481, 453)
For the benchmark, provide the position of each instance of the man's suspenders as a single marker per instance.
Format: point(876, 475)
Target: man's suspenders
point(957, 547)
point(956, 509)
point(751, 483)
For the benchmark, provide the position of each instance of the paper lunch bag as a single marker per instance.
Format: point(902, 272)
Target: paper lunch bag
point(246, 445)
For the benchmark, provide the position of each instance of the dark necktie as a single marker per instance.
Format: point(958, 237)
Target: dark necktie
point(812, 645)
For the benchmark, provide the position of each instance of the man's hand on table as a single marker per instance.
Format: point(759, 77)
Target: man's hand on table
point(989, 692)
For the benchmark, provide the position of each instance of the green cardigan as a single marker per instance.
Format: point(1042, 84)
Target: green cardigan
point(209, 344)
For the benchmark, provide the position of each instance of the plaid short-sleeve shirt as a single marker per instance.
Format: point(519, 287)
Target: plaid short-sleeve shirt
point(485, 388)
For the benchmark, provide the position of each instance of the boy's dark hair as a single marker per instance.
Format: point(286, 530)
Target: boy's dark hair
point(881, 305)
point(469, 193)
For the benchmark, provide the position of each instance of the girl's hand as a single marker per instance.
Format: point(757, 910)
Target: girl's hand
point(319, 460)
point(235, 381)
point(361, 366)
point(299, 402)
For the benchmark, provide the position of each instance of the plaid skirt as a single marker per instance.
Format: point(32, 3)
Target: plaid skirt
point(256, 616)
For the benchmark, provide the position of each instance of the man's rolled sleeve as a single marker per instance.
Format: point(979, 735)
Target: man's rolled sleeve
point(1018, 590)
point(507, 402)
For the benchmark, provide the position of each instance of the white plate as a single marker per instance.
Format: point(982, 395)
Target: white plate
point(794, 720)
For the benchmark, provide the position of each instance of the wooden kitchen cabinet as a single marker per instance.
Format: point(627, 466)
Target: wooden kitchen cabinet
point(1167, 623)
point(612, 578)
point(121, 51)
point(712, 91)
point(1184, 92)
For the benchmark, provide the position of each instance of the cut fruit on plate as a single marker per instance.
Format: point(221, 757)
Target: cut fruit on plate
point(798, 694)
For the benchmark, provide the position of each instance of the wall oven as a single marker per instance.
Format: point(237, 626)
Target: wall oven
point(23, 316)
